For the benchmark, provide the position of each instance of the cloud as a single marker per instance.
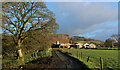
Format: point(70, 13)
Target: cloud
point(75, 18)
point(86, 18)
point(102, 32)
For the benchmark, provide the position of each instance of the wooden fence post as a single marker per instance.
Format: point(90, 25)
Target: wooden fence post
point(88, 59)
point(81, 55)
point(77, 53)
point(45, 53)
point(101, 63)
point(74, 53)
point(33, 54)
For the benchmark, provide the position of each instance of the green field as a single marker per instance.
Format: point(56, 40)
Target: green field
point(110, 57)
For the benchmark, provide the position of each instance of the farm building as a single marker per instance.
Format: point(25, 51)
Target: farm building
point(76, 45)
point(57, 42)
point(68, 45)
point(72, 46)
point(85, 45)
point(92, 45)
point(65, 45)
point(80, 45)
point(62, 45)
point(55, 46)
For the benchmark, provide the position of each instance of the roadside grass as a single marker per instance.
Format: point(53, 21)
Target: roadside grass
point(15, 63)
point(110, 57)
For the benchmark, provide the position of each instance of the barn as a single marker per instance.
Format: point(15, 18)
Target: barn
point(92, 45)
point(80, 45)
point(85, 45)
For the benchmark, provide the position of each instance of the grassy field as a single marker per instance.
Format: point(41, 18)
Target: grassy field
point(110, 57)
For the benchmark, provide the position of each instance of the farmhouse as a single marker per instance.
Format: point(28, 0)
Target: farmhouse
point(92, 45)
point(65, 45)
point(76, 45)
point(80, 45)
point(57, 42)
point(85, 45)
point(57, 45)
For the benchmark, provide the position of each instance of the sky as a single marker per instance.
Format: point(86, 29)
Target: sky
point(97, 20)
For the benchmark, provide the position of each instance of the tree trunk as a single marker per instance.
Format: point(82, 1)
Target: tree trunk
point(19, 51)
point(112, 44)
point(36, 52)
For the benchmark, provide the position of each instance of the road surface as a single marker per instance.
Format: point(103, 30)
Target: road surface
point(58, 61)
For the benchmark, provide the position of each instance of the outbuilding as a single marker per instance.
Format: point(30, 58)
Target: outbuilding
point(92, 45)
point(85, 45)
point(80, 45)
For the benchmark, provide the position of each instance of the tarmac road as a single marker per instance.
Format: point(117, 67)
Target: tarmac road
point(63, 61)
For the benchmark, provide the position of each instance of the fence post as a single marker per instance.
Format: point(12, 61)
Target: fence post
point(88, 58)
point(101, 63)
point(45, 53)
point(33, 54)
point(77, 54)
point(73, 53)
point(81, 55)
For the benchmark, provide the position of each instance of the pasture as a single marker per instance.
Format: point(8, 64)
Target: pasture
point(110, 57)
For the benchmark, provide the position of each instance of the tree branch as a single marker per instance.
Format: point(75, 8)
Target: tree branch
point(24, 15)
point(10, 21)
point(8, 30)
point(21, 31)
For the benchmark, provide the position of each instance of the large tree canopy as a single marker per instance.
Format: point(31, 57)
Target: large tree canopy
point(20, 18)
point(109, 42)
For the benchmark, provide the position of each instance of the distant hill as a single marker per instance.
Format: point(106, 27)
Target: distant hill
point(64, 38)
point(78, 38)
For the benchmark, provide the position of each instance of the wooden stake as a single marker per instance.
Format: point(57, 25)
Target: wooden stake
point(101, 63)
point(81, 55)
point(88, 59)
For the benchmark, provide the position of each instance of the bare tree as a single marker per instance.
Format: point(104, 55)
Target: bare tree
point(20, 18)
point(116, 37)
